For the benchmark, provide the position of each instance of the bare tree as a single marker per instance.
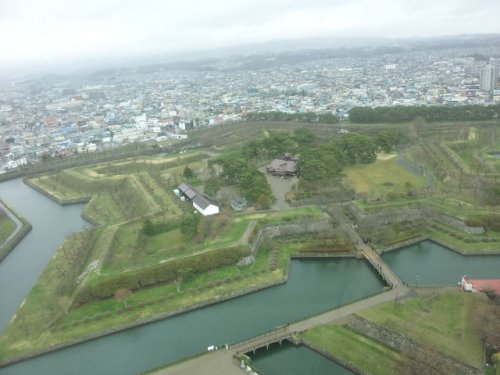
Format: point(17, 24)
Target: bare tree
point(123, 294)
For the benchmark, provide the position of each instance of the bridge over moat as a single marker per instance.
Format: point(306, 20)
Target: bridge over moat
point(224, 361)
point(251, 345)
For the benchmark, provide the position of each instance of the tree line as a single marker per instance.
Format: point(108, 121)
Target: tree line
point(309, 117)
point(395, 114)
point(158, 274)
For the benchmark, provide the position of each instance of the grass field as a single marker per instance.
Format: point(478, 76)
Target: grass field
point(348, 346)
point(444, 322)
point(7, 226)
point(370, 178)
point(120, 203)
point(41, 321)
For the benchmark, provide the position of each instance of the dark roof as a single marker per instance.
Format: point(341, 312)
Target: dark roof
point(283, 165)
point(188, 191)
point(201, 201)
point(184, 187)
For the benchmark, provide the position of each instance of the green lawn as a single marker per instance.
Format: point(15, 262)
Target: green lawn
point(443, 321)
point(7, 226)
point(33, 329)
point(348, 346)
point(370, 178)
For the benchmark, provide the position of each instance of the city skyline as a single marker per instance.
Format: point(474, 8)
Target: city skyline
point(58, 31)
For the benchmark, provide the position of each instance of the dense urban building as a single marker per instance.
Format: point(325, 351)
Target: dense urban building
point(58, 116)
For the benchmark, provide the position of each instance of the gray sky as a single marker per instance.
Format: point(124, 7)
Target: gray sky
point(40, 31)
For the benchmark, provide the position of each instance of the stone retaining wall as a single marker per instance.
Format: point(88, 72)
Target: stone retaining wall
point(268, 232)
point(459, 224)
point(300, 227)
point(412, 349)
point(408, 214)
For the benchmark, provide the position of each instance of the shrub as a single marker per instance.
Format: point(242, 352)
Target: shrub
point(490, 222)
point(158, 274)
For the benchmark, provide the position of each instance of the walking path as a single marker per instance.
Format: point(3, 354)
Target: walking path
point(222, 361)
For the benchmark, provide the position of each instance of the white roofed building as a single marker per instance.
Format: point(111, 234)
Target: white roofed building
point(202, 204)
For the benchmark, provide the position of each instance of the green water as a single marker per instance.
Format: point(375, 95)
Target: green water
point(291, 360)
point(428, 263)
point(51, 224)
point(313, 287)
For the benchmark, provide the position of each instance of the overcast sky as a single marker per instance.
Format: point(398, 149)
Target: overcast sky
point(40, 31)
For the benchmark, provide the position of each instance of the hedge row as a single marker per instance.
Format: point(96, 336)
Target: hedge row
point(490, 222)
point(158, 274)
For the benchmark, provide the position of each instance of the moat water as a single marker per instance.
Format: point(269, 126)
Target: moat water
point(313, 287)
point(292, 360)
point(427, 263)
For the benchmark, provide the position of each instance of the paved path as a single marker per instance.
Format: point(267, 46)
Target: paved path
point(246, 236)
point(16, 221)
point(222, 361)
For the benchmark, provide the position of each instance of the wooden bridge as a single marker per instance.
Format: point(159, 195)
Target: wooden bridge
point(381, 267)
point(375, 260)
point(252, 344)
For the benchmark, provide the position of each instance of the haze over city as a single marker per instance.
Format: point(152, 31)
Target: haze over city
point(57, 33)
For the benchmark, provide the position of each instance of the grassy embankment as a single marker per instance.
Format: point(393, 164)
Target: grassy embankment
point(49, 317)
point(387, 181)
point(7, 226)
point(443, 322)
point(36, 328)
